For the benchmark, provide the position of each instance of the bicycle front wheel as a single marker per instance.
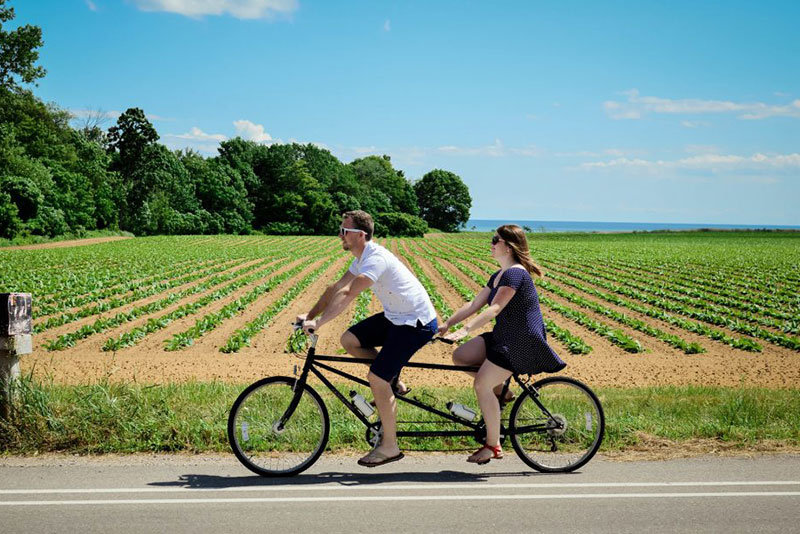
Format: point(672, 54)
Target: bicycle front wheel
point(560, 428)
point(269, 440)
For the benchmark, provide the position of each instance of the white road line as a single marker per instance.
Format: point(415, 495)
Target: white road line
point(402, 487)
point(395, 498)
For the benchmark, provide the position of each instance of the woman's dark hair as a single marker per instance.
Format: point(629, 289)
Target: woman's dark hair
point(514, 236)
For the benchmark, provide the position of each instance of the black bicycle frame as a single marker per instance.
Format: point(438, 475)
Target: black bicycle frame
point(313, 365)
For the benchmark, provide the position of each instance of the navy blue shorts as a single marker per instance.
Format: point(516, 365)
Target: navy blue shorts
point(398, 343)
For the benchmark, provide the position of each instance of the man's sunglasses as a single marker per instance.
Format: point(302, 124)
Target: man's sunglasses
point(343, 230)
point(496, 239)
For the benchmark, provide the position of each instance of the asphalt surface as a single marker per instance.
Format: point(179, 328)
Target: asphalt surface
point(422, 493)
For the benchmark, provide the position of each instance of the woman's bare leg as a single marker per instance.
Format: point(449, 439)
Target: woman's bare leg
point(473, 353)
point(488, 378)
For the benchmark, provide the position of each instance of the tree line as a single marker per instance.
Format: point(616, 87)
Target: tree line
point(57, 179)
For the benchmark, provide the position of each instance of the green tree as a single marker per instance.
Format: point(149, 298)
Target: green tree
point(221, 191)
point(24, 193)
point(375, 173)
point(18, 51)
point(9, 218)
point(444, 200)
point(399, 224)
point(129, 139)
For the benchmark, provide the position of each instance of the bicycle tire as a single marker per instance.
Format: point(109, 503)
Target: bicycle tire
point(568, 439)
point(273, 452)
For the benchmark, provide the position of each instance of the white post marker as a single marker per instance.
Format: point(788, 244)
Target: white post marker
point(15, 339)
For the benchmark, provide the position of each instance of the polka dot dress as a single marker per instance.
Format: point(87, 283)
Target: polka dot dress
point(519, 332)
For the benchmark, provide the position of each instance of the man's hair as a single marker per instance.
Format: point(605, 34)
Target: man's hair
point(362, 221)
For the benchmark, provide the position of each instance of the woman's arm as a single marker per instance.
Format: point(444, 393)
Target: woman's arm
point(500, 301)
point(466, 310)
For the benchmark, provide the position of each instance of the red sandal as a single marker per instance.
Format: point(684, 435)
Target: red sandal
point(497, 454)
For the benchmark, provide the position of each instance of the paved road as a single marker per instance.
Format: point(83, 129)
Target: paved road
point(425, 493)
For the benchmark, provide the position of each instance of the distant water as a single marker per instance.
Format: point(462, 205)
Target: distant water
point(488, 225)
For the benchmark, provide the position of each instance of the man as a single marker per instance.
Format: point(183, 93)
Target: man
point(407, 323)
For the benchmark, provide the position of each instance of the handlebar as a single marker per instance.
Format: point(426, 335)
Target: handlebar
point(298, 325)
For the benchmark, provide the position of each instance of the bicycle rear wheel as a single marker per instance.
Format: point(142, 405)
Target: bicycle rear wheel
point(262, 444)
point(565, 439)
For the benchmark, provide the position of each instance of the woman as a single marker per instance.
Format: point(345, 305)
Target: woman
point(518, 342)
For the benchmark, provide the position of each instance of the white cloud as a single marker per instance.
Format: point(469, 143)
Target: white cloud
point(387, 25)
point(694, 124)
point(709, 162)
point(91, 5)
point(495, 150)
point(252, 132)
point(638, 106)
point(241, 9)
point(196, 134)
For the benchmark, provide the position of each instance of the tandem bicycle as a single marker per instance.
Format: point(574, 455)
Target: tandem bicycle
point(279, 426)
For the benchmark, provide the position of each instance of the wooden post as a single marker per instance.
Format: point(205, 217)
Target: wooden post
point(15, 340)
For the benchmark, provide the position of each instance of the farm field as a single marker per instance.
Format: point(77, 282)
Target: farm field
point(623, 310)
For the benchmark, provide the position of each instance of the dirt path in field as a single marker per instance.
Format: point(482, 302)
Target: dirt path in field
point(72, 243)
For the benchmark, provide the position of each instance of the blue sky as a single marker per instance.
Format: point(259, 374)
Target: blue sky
point(593, 111)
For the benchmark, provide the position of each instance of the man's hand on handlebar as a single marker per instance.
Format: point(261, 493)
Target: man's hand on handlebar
point(301, 318)
point(310, 327)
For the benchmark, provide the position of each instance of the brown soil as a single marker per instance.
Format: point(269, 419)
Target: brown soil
point(72, 243)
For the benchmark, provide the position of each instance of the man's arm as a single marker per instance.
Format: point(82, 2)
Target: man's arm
point(323, 301)
point(339, 301)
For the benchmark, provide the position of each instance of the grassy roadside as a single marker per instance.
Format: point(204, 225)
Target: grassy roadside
point(191, 417)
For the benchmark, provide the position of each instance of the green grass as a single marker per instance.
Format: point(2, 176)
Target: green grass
point(191, 417)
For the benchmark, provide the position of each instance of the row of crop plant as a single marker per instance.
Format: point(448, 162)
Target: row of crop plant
point(211, 321)
point(688, 296)
point(106, 323)
point(50, 306)
point(241, 338)
point(761, 302)
point(118, 302)
point(154, 324)
point(717, 319)
point(762, 298)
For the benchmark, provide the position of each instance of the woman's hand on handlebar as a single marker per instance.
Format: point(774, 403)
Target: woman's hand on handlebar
point(457, 335)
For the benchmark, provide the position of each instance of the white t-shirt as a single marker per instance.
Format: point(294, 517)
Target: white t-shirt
point(404, 299)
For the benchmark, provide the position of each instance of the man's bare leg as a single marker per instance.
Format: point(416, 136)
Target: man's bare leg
point(387, 410)
point(352, 345)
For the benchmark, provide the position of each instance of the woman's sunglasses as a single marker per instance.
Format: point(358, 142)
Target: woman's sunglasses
point(496, 239)
point(343, 230)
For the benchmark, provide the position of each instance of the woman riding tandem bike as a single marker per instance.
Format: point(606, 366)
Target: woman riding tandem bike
point(518, 342)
